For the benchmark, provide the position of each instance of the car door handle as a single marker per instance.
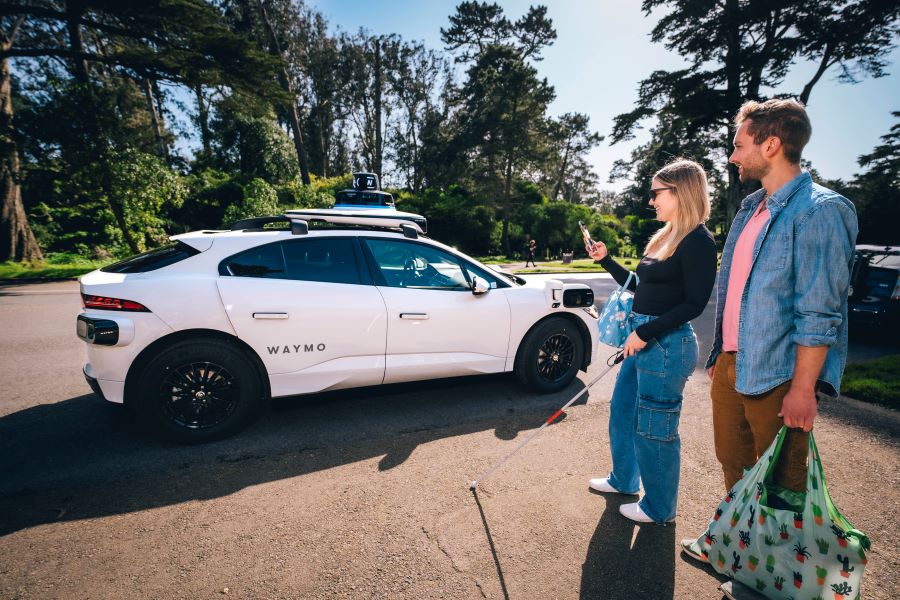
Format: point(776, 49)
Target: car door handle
point(270, 315)
point(414, 316)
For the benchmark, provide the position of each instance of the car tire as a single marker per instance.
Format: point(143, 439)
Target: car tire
point(550, 355)
point(198, 391)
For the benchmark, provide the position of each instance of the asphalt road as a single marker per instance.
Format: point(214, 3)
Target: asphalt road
point(364, 493)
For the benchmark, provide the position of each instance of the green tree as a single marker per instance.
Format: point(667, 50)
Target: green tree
point(181, 41)
point(876, 192)
point(259, 198)
point(146, 188)
point(502, 120)
point(415, 82)
point(251, 144)
point(572, 139)
point(737, 51)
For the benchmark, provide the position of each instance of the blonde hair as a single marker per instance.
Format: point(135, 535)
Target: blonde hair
point(691, 190)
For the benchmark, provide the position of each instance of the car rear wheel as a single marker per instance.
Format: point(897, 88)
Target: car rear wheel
point(550, 355)
point(199, 391)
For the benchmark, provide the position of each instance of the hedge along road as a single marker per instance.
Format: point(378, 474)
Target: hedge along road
point(364, 494)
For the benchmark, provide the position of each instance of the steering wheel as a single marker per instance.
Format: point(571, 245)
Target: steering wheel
point(409, 275)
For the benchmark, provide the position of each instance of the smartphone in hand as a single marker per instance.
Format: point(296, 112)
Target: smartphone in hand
point(586, 234)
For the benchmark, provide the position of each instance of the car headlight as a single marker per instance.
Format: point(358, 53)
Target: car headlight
point(576, 297)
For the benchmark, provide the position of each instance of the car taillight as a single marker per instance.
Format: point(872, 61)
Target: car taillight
point(106, 303)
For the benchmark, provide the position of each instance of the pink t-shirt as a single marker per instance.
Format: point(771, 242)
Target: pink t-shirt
point(741, 261)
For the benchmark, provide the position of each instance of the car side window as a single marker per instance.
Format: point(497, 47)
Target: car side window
point(329, 259)
point(262, 261)
point(417, 266)
point(474, 271)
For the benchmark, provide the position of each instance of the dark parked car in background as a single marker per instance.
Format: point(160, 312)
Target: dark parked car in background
point(875, 287)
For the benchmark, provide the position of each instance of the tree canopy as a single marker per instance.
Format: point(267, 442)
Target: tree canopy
point(123, 122)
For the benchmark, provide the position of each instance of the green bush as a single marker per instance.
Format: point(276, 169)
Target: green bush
point(260, 199)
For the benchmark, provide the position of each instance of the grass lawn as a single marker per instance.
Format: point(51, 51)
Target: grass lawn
point(582, 265)
point(875, 380)
point(56, 266)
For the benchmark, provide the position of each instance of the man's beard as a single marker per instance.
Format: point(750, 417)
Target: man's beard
point(755, 172)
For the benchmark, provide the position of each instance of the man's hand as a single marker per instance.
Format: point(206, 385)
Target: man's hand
point(633, 345)
point(799, 407)
point(711, 371)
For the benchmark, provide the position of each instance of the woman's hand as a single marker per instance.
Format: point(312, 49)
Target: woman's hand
point(598, 251)
point(633, 345)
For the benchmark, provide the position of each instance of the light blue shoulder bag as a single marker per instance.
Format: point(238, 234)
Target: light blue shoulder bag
point(615, 318)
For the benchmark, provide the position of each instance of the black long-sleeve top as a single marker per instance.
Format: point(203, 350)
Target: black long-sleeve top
point(675, 289)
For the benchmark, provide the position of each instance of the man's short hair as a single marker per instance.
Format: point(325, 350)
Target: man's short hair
point(785, 119)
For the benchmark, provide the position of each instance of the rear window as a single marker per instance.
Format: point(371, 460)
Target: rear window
point(153, 259)
point(330, 260)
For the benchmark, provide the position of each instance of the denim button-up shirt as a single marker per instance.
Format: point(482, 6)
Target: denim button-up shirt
point(796, 293)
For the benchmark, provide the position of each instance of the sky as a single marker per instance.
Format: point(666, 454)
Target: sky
point(602, 52)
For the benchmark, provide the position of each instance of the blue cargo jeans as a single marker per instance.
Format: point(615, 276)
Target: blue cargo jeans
point(644, 415)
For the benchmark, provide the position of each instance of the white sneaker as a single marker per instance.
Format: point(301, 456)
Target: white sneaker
point(634, 512)
point(602, 484)
point(735, 590)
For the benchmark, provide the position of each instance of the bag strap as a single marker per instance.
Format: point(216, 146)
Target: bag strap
point(775, 448)
point(637, 280)
point(815, 468)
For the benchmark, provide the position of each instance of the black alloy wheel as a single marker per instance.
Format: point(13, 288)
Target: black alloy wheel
point(550, 355)
point(199, 395)
point(198, 391)
point(555, 357)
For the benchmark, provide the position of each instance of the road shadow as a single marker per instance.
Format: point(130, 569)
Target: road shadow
point(490, 539)
point(79, 458)
point(615, 567)
point(879, 420)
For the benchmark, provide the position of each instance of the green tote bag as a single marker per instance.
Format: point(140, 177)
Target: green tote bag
point(785, 544)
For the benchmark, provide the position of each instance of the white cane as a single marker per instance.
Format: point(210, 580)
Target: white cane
point(618, 358)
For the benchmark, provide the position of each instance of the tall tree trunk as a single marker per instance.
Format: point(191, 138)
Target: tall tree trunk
point(203, 119)
point(17, 241)
point(562, 170)
point(154, 120)
point(379, 142)
point(285, 81)
point(323, 141)
point(507, 204)
point(74, 12)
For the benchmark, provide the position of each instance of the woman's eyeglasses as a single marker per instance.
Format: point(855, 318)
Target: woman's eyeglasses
point(654, 192)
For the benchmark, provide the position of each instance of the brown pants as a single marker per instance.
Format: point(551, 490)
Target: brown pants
point(744, 426)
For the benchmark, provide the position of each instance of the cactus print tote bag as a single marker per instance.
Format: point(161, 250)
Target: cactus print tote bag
point(615, 318)
point(785, 544)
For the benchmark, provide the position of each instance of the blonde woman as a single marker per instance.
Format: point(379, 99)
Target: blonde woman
point(676, 277)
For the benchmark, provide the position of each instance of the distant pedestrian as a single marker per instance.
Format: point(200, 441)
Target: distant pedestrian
point(530, 253)
point(781, 316)
point(676, 274)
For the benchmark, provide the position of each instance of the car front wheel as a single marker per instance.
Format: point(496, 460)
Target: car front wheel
point(550, 355)
point(199, 391)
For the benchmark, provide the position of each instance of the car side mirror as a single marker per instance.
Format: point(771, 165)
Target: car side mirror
point(479, 286)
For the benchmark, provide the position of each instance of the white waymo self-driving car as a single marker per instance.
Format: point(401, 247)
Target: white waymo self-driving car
point(196, 336)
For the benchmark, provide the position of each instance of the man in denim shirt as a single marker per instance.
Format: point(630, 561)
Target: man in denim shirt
point(781, 315)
